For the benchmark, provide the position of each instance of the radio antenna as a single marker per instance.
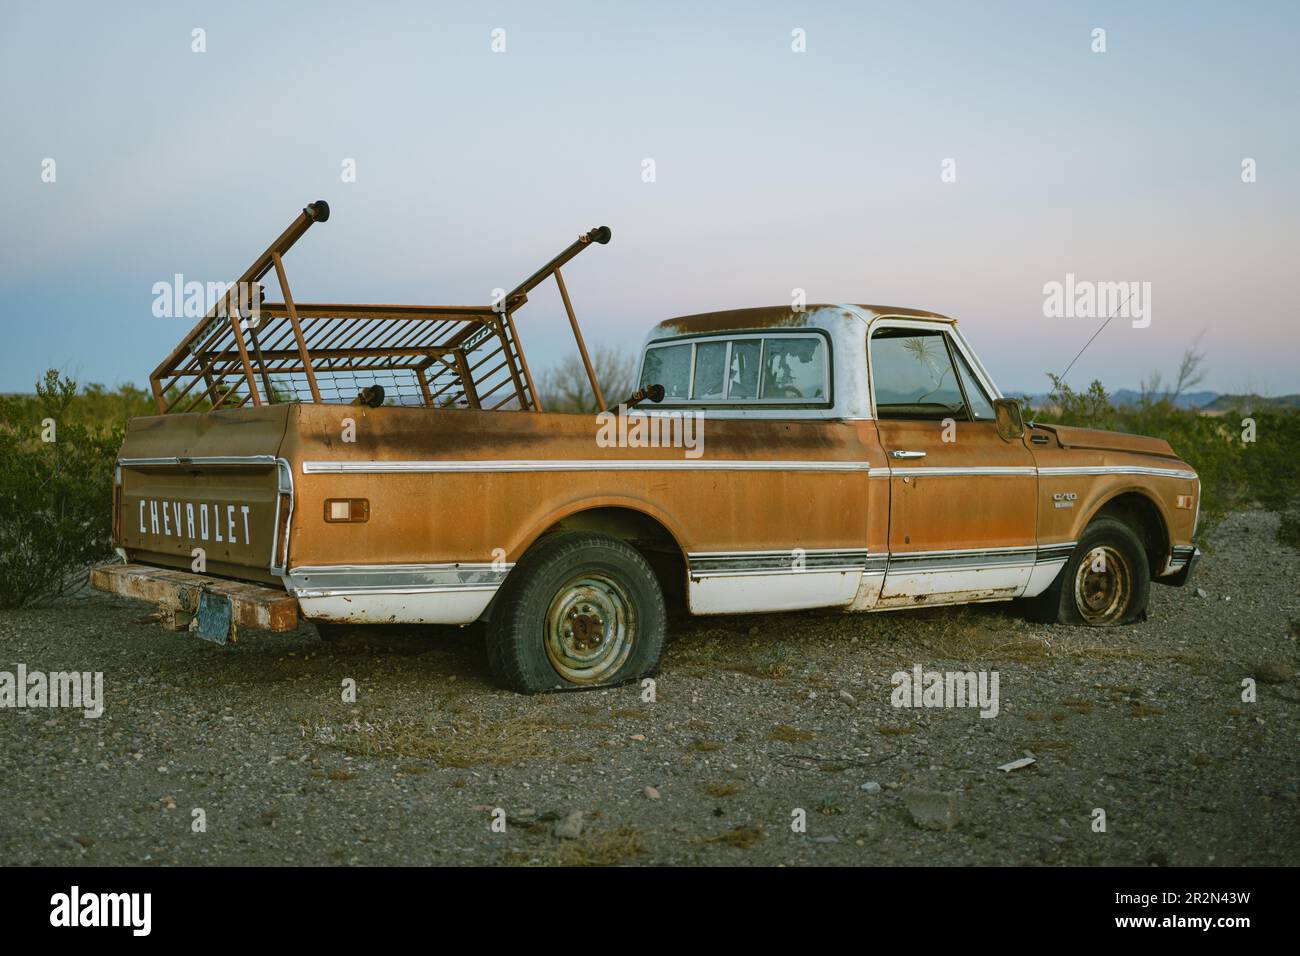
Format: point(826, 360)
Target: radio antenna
point(1061, 378)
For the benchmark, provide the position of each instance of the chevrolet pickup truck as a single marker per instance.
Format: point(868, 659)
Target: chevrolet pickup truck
point(375, 464)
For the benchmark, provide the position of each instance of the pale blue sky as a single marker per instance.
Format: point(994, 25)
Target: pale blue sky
point(775, 170)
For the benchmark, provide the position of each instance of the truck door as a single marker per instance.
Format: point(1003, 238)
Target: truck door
point(962, 520)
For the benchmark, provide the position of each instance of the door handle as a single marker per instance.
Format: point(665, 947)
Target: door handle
point(907, 454)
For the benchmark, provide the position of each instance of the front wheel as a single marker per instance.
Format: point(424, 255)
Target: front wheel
point(1106, 582)
point(578, 611)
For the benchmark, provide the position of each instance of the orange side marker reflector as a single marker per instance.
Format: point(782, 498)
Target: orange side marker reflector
point(340, 510)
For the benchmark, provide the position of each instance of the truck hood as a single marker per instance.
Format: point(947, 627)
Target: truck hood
point(1101, 440)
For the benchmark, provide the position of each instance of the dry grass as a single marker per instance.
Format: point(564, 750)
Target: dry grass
point(728, 789)
point(606, 848)
point(1043, 745)
point(742, 837)
point(464, 742)
point(772, 669)
point(771, 662)
point(704, 746)
point(790, 735)
point(1127, 652)
point(966, 634)
point(1144, 710)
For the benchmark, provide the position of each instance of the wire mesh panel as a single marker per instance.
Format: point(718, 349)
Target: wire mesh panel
point(420, 355)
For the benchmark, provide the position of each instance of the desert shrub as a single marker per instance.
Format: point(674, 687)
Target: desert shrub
point(1269, 461)
point(57, 452)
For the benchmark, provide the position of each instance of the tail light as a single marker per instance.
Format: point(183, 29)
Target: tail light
point(283, 518)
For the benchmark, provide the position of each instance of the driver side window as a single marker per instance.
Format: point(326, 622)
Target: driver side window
point(913, 375)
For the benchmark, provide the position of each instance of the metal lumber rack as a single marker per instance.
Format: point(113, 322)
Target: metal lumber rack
point(247, 351)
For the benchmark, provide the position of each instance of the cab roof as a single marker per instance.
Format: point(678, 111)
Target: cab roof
point(777, 317)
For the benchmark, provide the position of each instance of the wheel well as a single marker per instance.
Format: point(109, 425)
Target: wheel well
point(1141, 514)
point(655, 542)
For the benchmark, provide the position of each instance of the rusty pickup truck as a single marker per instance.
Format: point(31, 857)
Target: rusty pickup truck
point(376, 464)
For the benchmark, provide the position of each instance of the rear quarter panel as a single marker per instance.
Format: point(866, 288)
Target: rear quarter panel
point(433, 516)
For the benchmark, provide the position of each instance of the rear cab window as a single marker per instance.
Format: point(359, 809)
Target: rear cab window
point(784, 368)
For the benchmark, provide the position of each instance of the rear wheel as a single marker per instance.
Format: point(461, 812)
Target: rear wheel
point(1106, 582)
point(578, 611)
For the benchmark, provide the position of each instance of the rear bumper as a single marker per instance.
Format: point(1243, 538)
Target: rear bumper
point(212, 608)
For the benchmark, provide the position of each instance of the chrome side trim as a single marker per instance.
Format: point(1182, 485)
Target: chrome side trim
point(910, 562)
point(687, 464)
point(976, 470)
point(1055, 552)
point(653, 464)
point(204, 460)
point(973, 471)
point(790, 561)
point(341, 579)
point(733, 563)
point(1117, 470)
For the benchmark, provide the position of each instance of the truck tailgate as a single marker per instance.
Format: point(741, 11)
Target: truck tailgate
point(207, 487)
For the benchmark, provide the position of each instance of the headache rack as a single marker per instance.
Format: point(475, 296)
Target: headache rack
point(250, 351)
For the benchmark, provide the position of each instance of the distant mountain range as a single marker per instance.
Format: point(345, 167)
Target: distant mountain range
point(1201, 401)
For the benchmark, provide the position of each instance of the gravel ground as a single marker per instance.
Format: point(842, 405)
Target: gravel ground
point(754, 720)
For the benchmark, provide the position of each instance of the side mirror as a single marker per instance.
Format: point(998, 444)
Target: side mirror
point(1010, 425)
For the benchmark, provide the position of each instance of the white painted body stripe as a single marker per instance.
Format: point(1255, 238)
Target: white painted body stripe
point(461, 606)
point(609, 464)
point(760, 593)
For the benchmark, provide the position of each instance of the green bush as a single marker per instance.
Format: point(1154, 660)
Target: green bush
point(57, 452)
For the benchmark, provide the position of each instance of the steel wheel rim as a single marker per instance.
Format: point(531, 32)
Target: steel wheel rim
point(1102, 596)
point(590, 628)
